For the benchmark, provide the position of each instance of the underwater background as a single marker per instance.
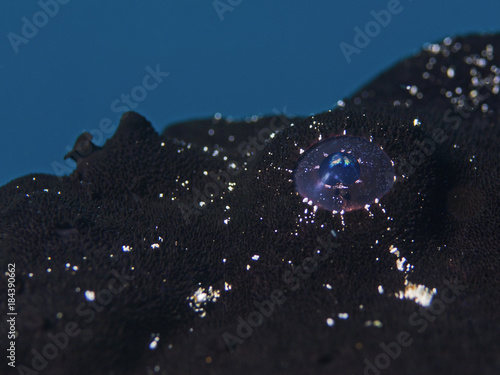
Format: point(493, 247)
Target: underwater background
point(72, 66)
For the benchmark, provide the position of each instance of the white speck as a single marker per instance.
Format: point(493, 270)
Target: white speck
point(416, 122)
point(343, 315)
point(481, 62)
point(154, 344)
point(435, 48)
point(217, 116)
point(400, 263)
point(155, 246)
point(375, 323)
point(328, 286)
point(248, 267)
point(160, 195)
point(211, 131)
point(256, 257)
point(89, 295)
point(126, 248)
point(200, 298)
point(330, 322)
point(418, 293)
point(450, 72)
point(341, 103)
point(381, 289)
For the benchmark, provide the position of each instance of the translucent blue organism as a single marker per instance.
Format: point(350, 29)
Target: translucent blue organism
point(339, 168)
point(344, 173)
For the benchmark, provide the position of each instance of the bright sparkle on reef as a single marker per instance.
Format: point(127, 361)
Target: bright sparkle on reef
point(90, 295)
point(418, 293)
point(154, 344)
point(201, 297)
point(374, 323)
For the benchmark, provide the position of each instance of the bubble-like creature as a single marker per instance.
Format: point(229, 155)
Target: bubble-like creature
point(344, 173)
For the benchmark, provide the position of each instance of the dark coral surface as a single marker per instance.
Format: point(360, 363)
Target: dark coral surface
point(190, 251)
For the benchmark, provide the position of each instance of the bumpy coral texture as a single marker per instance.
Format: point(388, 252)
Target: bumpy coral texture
point(203, 224)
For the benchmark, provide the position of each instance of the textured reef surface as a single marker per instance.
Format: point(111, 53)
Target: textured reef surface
point(192, 251)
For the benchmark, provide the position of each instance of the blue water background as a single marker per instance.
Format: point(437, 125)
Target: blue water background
point(235, 57)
